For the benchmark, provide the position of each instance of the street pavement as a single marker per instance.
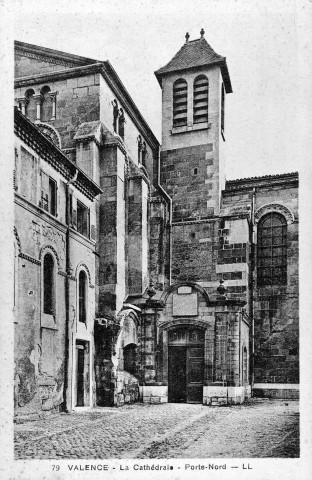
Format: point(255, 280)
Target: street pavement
point(261, 428)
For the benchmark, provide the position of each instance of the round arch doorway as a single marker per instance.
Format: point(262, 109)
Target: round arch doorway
point(186, 364)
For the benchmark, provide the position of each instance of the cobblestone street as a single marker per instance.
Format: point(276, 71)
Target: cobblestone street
point(262, 428)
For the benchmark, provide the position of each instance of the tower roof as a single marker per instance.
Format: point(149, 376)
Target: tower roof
point(194, 54)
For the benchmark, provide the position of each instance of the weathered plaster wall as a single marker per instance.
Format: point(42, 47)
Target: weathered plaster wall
point(40, 338)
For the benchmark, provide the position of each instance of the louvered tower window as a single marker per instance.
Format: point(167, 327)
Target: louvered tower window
point(272, 250)
point(200, 99)
point(179, 103)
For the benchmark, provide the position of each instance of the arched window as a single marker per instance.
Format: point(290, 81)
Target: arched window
point(31, 107)
point(272, 250)
point(82, 289)
point(48, 285)
point(200, 99)
point(179, 103)
point(46, 105)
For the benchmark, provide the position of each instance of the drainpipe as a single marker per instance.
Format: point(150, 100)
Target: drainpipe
point(170, 215)
point(67, 247)
point(239, 318)
point(251, 305)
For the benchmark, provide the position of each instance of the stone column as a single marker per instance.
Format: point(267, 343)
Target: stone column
point(38, 99)
point(53, 96)
point(23, 102)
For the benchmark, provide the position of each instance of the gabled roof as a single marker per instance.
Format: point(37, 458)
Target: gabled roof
point(194, 54)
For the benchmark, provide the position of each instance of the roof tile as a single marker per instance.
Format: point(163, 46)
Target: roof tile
point(194, 54)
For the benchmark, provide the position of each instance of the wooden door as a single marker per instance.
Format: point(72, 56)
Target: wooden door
point(186, 365)
point(177, 374)
point(194, 374)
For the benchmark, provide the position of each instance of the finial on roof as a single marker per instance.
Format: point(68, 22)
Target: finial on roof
point(202, 33)
point(187, 36)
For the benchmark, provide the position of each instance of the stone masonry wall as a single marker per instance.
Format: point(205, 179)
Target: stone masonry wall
point(135, 236)
point(77, 101)
point(194, 253)
point(158, 232)
point(110, 260)
point(190, 176)
point(276, 307)
point(25, 66)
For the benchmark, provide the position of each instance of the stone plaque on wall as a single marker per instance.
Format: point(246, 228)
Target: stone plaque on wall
point(184, 290)
point(184, 305)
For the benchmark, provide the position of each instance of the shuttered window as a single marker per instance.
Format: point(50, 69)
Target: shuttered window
point(83, 219)
point(200, 99)
point(179, 103)
point(272, 250)
point(48, 200)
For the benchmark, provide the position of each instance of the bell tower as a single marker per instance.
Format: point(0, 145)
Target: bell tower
point(194, 85)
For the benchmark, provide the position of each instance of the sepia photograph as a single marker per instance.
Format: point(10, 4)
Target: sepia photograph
point(155, 237)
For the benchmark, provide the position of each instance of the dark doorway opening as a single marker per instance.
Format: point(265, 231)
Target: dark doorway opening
point(82, 391)
point(186, 365)
point(80, 375)
point(177, 375)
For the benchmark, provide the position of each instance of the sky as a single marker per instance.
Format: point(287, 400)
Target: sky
point(265, 44)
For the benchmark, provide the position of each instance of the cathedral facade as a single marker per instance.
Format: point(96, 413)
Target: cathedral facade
point(140, 273)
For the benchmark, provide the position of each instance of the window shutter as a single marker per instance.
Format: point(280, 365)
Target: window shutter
point(14, 179)
point(93, 232)
point(52, 196)
point(44, 203)
point(56, 199)
point(86, 221)
point(74, 212)
point(15, 186)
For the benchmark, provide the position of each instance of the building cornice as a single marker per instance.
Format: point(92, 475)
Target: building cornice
point(50, 55)
point(32, 136)
point(189, 221)
point(73, 72)
point(285, 179)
